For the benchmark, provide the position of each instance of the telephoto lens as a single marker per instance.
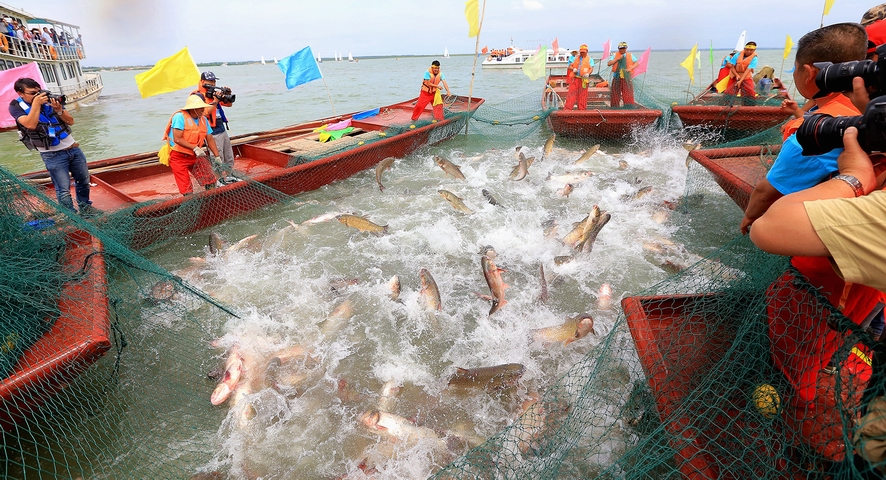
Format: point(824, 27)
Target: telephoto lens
point(820, 134)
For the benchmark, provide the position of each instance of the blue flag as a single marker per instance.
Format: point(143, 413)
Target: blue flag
point(299, 68)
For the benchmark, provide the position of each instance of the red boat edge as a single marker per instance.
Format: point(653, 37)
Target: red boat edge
point(77, 339)
point(738, 169)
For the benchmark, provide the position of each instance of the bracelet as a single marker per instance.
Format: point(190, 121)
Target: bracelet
point(852, 182)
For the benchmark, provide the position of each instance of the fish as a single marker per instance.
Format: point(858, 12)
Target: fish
point(449, 168)
point(216, 244)
point(543, 296)
point(488, 251)
point(380, 168)
point(579, 228)
point(550, 227)
point(566, 190)
point(455, 201)
point(573, 329)
point(561, 259)
point(491, 379)
point(497, 287)
point(517, 150)
point(233, 371)
point(396, 426)
point(571, 177)
point(521, 170)
point(604, 297)
point(622, 165)
point(339, 285)
point(243, 243)
point(394, 287)
point(388, 397)
point(588, 153)
point(324, 217)
point(637, 195)
point(537, 419)
point(163, 290)
point(661, 216)
point(361, 224)
point(490, 198)
point(429, 291)
point(549, 146)
point(338, 317)
point(587, 241)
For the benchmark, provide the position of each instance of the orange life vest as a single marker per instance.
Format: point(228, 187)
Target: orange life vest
point(835, 105)
point(582, 64)
point(629, 62)
point(194, 132)
point(435, 80)
point(742, 63)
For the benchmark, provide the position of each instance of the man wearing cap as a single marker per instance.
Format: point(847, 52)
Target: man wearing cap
point(621, 90)
point(218, 122)
point(577, 74)
point(741, 73)
point(186, 133)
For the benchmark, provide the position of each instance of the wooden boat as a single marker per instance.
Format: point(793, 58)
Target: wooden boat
point(289, 160)
point(737, 170)
point(76, 340)
point(719, 111)
point(599, 120)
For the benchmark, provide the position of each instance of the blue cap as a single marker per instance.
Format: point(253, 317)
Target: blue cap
point(208, 76)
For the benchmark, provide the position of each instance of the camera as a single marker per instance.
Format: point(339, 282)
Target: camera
point(837, 77)
point(820, 134)
point(222, 93)
point(61, 98)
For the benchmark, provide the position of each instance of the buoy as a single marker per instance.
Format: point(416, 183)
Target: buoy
point(411, 127)
point(495, 122)
point(434, 121)
point(361, 142)
point(535, 117)
point(382, 134)
point(766, 400)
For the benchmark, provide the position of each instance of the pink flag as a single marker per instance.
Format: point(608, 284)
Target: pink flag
point(538, 49)
point(641, 64)
point(606, 50)
point(556, 46)
point(7, 93)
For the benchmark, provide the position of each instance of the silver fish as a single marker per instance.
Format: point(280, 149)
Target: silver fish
point(454, 200)
point(449, 168)
point(490, 198)
point(429, 291)
point(587, 154)
point(549, 146)
point(382, 166)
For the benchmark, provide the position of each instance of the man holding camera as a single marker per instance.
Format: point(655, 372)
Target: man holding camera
point(216, 98)
point(44, 125)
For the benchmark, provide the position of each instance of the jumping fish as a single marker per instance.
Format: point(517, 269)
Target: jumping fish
point(361, 224)
point(491, 379)
point(388, 397)
point(396, 426)
point(587, 154)
point(536, 419)
point(622, 165)
point(638, 194)
point(561, 259)
point(233, 371)
point(581, 227)
point(488, 251)
point(543, 296)
point(338, 317)
point(566, 190)
point(604, 297)
point(549, 146)
point(382, 166)
point(490, 198)
point(216, 244)
point(588, 238)
point(496, 286)
point(429, 291)
point(521, 170)
point(324, 217)
point(163, 290)
point(394, 286)
point(571, 177)
point(449, 168)
point(243, 243)
point(573, 329)
point(454, 200)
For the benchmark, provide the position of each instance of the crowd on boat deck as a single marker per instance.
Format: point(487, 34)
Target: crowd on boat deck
point(18, 39)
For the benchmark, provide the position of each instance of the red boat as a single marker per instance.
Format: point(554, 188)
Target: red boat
point(599, 120)
point(289, 160)
point(76, 340)
point(737, 169)
point(714, 110)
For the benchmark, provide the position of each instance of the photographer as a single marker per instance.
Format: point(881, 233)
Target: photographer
point(218, 97)
point(44, 125)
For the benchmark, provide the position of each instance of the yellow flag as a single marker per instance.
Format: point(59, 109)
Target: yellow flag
point(722, 84)
point(438, 98)
point(472, 13)
point(827, 6)
point(689, 64)
point(168, 75)
point(788, 45)
point(534, 66)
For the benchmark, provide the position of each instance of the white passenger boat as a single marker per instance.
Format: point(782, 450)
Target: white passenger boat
point(513, 57)
point(59, 60)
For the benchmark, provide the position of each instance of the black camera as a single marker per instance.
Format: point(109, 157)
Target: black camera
point(61, 98)
point(837, 77)
point(820, 134)
point(224, 94)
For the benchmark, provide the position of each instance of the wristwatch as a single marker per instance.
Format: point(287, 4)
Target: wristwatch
point(852, 182)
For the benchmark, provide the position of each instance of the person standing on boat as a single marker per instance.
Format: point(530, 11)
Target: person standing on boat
point(578, 74)
point(621, 90)
point(741, 73)
point(430, 89)
point(187, 132)
point(725, 68)
point(218, 122)
point(44, 125)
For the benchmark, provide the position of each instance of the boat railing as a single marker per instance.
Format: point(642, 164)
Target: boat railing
point(91, 82)
point(41, 51)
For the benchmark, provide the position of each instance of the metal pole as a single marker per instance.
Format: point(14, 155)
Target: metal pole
point(474, 68)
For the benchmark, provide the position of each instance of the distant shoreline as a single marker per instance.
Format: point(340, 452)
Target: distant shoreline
point(368, 57)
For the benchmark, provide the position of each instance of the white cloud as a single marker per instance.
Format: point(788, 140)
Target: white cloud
point(532, 5)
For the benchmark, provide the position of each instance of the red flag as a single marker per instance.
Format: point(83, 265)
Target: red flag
point(556, 46)
point(641, 64)
point(606, 50)
point(485, 50)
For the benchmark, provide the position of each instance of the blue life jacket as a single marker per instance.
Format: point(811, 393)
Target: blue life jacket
point(50, 129)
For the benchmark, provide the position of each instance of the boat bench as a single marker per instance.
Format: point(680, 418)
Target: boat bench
point(305, 150)
point(310, 142)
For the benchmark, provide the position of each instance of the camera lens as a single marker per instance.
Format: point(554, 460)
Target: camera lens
point(837, 77)
point(819, 134)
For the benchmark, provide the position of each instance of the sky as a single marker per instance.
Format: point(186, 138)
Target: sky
point(140, 32)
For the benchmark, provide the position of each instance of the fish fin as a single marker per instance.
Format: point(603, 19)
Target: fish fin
point(463, 371)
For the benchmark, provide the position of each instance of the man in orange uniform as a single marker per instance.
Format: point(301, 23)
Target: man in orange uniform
point(577, 74)
point(741, 74)
point(621, 90)
point(430, 87)
point(186, 133)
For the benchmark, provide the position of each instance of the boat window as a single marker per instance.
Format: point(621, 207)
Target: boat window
point(2, 65)
point(64, 73)
point(79, 70)
point(70, 67)
point(18, 64)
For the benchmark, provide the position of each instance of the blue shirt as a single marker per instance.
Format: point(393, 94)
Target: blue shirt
point(793, 172)
point(178, 123)
point(428, 76)
point(752, 65)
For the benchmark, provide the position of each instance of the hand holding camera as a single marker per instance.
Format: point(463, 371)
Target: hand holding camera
point(223, 94)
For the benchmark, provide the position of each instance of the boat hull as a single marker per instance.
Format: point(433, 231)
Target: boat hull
point(77, 339)
point(737, 170)
point(747, 119)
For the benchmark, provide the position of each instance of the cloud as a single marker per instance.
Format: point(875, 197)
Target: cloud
point(532, 5)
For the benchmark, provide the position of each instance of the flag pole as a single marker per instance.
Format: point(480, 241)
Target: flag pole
point(329, 95)
point(823, 10)
point(474, 68)
point(712, 60)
